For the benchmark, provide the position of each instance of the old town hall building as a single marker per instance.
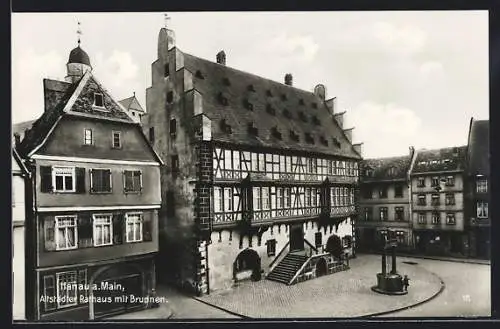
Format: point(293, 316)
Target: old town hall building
point(257, 172)
point(96, 192)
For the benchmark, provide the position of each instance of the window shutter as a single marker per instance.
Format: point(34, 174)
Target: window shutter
point(118, 228)
point(109, 178)
point(49, 232)
point(140, 180)
point(46, 179)
point(85, 229)
point(80, 180)
point(91, 180)
point(147, 227)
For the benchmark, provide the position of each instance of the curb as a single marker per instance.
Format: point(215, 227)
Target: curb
point(222, 309)
point(454, 260)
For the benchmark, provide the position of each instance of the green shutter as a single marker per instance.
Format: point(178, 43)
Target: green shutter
point(45, 179)
point(49, 233)
point(80, 180)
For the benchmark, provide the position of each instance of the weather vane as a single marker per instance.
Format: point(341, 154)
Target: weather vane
point(167, 18)
point(79, 32)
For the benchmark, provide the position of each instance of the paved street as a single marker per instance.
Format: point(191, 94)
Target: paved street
point(344, 294)
point(467, 292)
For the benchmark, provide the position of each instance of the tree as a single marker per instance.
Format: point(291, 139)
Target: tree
point(334, 246)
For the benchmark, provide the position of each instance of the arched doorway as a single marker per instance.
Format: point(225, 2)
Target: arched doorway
point(247, 260)
point(321, 267)
point(113, 283)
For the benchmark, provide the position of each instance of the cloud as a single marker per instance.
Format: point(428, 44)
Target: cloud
point(407, 38)
point(28, 70)
point(117, 69)
point(431, 70)
point(296, 47)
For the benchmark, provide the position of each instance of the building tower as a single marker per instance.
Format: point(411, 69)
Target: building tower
point(78, 62)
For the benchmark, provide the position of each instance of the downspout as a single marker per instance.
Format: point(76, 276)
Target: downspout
point(410, 196)
point(33, 239)
point(207, 269)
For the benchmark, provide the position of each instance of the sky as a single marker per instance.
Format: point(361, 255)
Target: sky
point(409, 78)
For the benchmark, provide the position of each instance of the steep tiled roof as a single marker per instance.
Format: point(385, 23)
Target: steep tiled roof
point(242, 99)
point(445, 159)
point(131, 103)
point(479, 147)
point(385, 168)
point(62, 98)
point(20, 127)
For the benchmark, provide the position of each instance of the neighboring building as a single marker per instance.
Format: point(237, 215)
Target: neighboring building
point(437, 187)
point(133, 107)
point(477, 216)
point(256, 168)
point(385, 202)
point(20, 214)
point(97, 194)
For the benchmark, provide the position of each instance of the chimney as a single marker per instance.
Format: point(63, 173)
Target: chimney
point(288, 79)
point(221, 57)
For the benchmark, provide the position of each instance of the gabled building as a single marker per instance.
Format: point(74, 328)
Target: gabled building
point(21, 213)
point(477, 183)
point(133, 107)
point(385, 202)
point(257, 171)
point(96, 199)
point(437, 191)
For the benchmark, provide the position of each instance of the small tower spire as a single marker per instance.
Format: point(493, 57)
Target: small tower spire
point(166, 18)
point(79, 33)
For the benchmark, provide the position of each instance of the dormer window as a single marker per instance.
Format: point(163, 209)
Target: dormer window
point(247, 104)
point(302, 116)
point(301, 101)
point(287, 114)
point(315, 120)
point(270, 109)
point(314, 105)
point(309, 138)
point(269, 93)
point(226, 82)
point(336, 142)
point(222, 99)
point(252, 130)
point(392, 171)
point(225, 127)
point(275, 132)
point(294, 136)
point(283, 97)
point(251, 88)
point(199, 75)
point(98, 100)
point(323, 140)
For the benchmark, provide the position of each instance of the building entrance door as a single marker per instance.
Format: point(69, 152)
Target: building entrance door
point(296, 238)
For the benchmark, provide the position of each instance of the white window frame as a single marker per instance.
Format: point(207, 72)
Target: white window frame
point(482, 209)
point(86, 138)
point(134, 218)
point(110, 181)
point(55, 173)
point(451, 216)
point(421, 218)
point(421, 182)
point(125, 180)
point(482, 186)
point(265, 195)
point(96, 217)
point(218, 196)
point(66, 292)
point(57, 226)
point(435, 221)
point(228, 199)
point(119, 133)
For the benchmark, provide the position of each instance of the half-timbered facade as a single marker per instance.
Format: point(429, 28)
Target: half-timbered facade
point(256, 169)
point(477, 186)
point(385, 202)
point(96, 197)
point(437, 186)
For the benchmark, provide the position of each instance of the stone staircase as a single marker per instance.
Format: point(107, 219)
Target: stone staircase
point(287, 268)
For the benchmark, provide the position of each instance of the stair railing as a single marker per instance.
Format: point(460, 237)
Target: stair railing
point(304, 266)
point(311, 247)
point(279, 258)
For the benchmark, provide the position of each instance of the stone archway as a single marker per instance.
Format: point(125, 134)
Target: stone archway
point(321, 268)
point(247, 264)
point(130, 276)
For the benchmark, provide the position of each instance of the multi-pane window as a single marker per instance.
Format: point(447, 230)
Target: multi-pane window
point(66, 232)
point(281, 197)
point(400, 237)
point(435, 181)
point(450, 198)
point(271, 247)
point(450, 219)
point(421, 182)
point(132, 181)
point(368, 214)
point(382, 192)
point(383, 213)
point(265, 198)
point(482, 209)
point(436, 218)
point(482, 186)
point(100, 180)
point(134, 227)
point(49, 290)
point(399, 213)
point(117, 141)
point(435, 199)
point(288, 198)
point(103, 230)
point(308, 197)
point(218, 199)
point(63, 179)
point(398, 191)
point(66, 286)
point(421, 200)
point(450, 181)
point(422, 218)
point(87, 137)
point(228, 199)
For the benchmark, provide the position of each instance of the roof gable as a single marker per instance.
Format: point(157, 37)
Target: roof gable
point(386, 168)
point(237, 99)
point(131, 103)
